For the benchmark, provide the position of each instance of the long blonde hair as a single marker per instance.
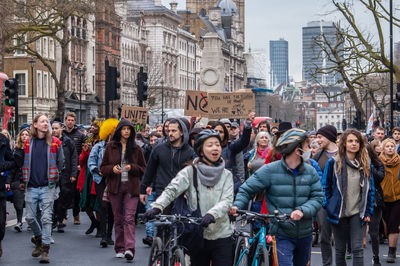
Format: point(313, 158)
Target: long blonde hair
point(18, 143)
point(361, 156)
point(34, 131)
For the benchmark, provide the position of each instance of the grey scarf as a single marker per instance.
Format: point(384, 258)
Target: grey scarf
point(210, 175)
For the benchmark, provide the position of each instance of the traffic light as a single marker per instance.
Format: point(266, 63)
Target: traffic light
point(112, 83)
point(11, 92)
point(142, 85)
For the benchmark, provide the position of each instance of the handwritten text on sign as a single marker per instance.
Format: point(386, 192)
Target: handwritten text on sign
point(230, 105)
point(196, 103)
point(137, 116)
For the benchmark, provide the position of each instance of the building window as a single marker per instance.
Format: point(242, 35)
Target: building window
point(51, 48)
point(39, 46)
point(52, 88)
point(45, 85)
point(22, 119)
point(45, 48)
point(22, 82)
point(38, 84)
point(19, 43)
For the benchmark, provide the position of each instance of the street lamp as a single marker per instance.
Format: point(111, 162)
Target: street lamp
point(80, 71)
point(32, 62)
point(162, 101)
point(391, 63)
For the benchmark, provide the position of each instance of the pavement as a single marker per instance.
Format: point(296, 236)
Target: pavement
point(75, 248)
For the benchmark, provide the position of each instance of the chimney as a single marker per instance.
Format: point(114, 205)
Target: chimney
point(173, 5)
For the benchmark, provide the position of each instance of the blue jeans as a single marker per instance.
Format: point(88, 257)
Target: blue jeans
point(44, 198)
point(149, 226)
point(293, 251)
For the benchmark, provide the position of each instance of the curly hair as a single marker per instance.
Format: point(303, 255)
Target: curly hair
point(362, 154)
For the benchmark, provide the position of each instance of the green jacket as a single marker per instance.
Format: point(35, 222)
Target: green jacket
point(285, 192)
point(215, 200)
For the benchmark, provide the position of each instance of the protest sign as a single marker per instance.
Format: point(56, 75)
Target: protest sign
point(196, 103)
point(230, 105)
point(137, 116)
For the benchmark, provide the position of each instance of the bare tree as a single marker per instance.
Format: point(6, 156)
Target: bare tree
point(359, 54)
point(32, 20)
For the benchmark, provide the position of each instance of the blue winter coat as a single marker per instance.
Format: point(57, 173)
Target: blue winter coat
point(285, 192)
point(333, 197)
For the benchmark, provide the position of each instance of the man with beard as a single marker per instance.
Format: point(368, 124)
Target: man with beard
point(78, 139)
point(67, 176)
point(166, 160)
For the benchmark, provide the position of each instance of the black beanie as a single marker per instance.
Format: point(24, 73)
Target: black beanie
point(328, 132)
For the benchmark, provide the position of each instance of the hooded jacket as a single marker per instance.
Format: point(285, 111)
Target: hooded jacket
point(334, 196)
point(112, 157)
point(165, 162)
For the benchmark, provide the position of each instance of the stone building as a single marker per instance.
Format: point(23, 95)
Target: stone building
point(162, 53)
point(202, 7)
point(134, 43)
point(80, 95)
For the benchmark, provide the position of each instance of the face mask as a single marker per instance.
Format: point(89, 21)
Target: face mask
point(306, 155)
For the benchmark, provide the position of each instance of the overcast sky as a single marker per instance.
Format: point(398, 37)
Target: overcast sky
point(273, 19)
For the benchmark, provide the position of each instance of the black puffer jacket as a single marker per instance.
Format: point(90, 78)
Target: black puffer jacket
point(165, 162)
point(378, 174)
point(6, 162)
point(70, 160)
point(15, 178)
point(77, 137)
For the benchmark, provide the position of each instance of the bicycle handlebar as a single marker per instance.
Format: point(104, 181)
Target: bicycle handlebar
point(258, 216)
point(174, 218)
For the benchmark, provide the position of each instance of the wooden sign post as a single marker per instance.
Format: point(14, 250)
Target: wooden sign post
point(136, 115)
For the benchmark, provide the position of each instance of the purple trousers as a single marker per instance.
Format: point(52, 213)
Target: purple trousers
point(124, 209)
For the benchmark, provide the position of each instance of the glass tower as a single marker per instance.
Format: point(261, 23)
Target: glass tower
point(279, 62)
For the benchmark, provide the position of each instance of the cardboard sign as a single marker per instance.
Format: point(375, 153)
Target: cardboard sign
point(196, 103)
point(136, 115)
point(230, 105)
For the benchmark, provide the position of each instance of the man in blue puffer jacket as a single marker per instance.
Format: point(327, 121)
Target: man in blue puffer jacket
point(293, 187)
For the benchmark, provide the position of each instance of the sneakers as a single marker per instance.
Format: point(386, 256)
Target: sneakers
point(77, 220)
point(18, 227)
point(128, 255)
point(148, 240)
point(52, 240)
point(119, 255)
point(44, 256)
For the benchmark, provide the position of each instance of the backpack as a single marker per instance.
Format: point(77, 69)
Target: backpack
point(191, 237)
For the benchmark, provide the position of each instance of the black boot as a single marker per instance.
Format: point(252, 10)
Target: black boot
point(93, 226)
point(391, 255)
point(376, 261)
point(109, 239)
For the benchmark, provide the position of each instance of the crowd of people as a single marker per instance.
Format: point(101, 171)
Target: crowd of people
point(332, 185)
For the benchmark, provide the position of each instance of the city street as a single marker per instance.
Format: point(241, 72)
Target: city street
point(75, 248)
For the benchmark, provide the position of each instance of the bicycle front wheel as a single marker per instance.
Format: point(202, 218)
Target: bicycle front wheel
point(156, 252)
point(262, 257)
point(178, 258)
point(241, 253)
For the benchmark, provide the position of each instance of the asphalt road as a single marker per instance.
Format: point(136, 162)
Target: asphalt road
point(75, 248)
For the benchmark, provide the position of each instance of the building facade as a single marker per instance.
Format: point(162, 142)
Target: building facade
point(162, 52)
point(313, 58)
point(279, 62)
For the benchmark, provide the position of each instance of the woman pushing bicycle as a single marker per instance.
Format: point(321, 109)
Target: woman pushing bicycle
point(292, 187)
point(213, 195)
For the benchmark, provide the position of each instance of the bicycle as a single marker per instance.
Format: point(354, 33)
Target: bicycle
point(165, 250)
point(253, 249)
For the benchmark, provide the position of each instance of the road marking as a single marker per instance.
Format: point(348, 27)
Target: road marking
point(14, 222)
